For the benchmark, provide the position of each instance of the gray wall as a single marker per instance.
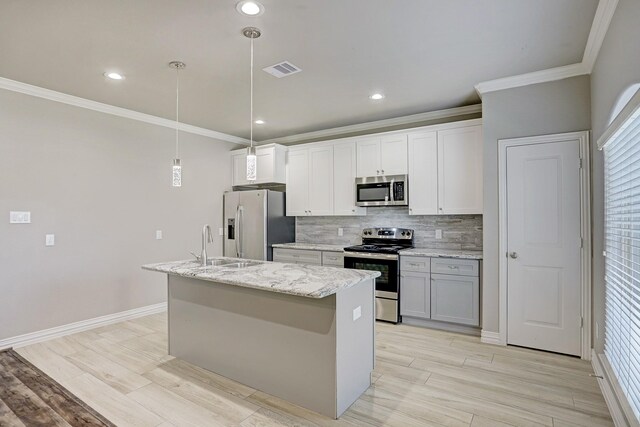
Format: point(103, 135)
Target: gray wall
point(458, 231)
point(545, 108)
point(102, 184)
point(617, 68)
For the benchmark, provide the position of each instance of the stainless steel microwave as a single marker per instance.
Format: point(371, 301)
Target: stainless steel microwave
point(389, 190)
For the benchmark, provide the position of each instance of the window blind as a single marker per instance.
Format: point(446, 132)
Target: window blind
point(622, 262)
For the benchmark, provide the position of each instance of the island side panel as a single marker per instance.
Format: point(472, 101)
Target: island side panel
point(355, 355)
point(281, 344)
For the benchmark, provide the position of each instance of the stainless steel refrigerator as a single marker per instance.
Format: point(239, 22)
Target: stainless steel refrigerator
point(253, 222)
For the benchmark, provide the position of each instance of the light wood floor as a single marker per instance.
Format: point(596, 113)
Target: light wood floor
point(422, 378)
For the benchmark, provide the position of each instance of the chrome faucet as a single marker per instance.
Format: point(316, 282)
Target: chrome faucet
point(207, 237)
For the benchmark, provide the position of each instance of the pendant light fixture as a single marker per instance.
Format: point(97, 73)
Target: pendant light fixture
point(252, 161)
point(176, 174)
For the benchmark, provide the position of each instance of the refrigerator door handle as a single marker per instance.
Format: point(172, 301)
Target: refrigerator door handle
point(237, 225)
point(240, 231)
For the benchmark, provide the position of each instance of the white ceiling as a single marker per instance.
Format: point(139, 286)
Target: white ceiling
point(424, 55)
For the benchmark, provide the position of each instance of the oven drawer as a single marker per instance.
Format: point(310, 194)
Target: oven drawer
point(414, 263)
point(458, 267)
point(297, 256)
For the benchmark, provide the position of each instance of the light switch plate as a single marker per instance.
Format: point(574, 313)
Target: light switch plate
point(19, 217)
point(340, 231)
point(357, 312)
point(438, 234)
point(158, 234)
point(50, 240)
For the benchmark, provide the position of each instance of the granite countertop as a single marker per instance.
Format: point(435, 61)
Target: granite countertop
point(310, 281)
point(312, 246)
point(443, 253)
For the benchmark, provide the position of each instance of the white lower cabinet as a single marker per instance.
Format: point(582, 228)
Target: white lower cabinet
point(442, 289)
point(309, 257)
point(455, 299)
point(415, 295)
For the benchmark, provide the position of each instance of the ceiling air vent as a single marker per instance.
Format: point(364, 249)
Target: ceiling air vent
point(283, 69)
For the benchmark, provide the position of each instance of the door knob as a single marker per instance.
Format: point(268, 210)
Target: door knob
point(513, 255)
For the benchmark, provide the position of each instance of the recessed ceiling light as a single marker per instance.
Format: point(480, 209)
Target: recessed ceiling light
point(114, 76)
point(377, 96)
point(259, 122)
point(250, 8)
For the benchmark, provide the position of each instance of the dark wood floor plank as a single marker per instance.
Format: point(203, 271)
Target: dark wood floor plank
point(36, 399)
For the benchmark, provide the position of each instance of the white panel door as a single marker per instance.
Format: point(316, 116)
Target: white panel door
point(297, 182)
point(368, 157)
point(423, 173)
point(344, 178)
point(460, 170)
point(393, 155)
point(543, 241)
point(321, 180)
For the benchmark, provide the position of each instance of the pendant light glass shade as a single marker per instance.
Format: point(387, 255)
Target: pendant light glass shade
point(177, 173)
point(252, 164)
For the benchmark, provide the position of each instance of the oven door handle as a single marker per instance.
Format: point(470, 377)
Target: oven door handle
point(370, 256)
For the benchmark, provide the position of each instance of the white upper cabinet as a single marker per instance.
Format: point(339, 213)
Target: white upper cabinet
point(382, 155)
point(297, 182)
point(310, 181)
point(368, 160)
point(445, 171)
point(423, 173)
point(344, 177)
point(460, 170)
point(321, 180)
point(271, 166)
point(393, 155)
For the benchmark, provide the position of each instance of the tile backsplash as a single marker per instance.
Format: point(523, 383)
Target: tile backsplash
point(458, 231)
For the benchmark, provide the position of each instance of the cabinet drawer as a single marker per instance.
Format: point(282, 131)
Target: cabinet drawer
point(458, 267)
point(334, 259)
point(414, 263)
point(297, 256)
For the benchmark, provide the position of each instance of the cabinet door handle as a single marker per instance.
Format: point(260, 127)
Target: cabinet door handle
point(382, 171)
point(378, 172)
point(453, 267)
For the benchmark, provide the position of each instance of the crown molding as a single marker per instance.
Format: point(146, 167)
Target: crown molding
point(369, 126)
point(52, 95)
point(527, 79)
point(601, 21)
point(599, 28)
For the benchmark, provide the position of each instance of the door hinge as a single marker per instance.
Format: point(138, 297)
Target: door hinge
point(582, 322)
point(581, 242)
point(580, 163)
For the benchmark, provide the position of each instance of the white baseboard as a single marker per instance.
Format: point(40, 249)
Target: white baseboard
point(489, 337)
point(614, 401)
point(83, 325)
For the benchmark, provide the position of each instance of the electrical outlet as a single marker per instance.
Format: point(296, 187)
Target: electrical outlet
point(357, 312)
point(340, 231)
point(158, 234)
point(50, 240)
point(438, 234)
point(16, 217)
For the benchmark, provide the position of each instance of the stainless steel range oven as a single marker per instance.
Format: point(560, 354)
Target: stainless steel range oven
point(379, 252)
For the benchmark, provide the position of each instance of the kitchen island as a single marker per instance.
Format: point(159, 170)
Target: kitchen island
point(299, 332)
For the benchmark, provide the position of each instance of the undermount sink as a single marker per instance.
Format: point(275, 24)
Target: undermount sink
point(242, 264)
point(219, 262)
